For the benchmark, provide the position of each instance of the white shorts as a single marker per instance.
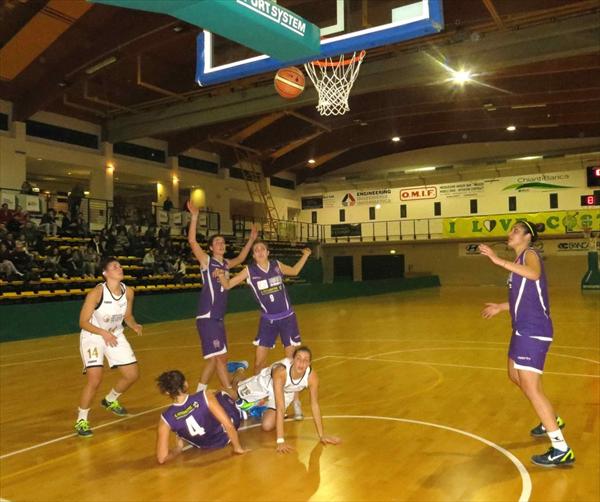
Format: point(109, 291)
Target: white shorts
point(93, 349)
point(251, 390)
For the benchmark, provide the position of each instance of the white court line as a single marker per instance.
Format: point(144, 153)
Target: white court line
point(372, 358)
point(62, 438)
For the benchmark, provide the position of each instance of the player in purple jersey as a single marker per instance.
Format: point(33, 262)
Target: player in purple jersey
point(212, 303)
point(532, 334)
point(265, 278)
point(204, 419)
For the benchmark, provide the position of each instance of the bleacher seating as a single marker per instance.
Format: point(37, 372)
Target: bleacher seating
point(55, 289)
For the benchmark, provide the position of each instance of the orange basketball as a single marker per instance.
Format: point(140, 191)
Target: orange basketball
point(289, 82)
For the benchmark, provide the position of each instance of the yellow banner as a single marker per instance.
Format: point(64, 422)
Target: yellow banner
point(498, 225)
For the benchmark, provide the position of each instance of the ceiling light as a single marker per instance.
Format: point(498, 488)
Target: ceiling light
point(86, 192)
point(511, 128)
point(69, 174)
point(419, 169)
point(39, 158)
point(392, 251)
point(311, 161)
point(461, 77)
point(102, 64)
point(178, 28)
point(35, 189)
point(530, 157)
point(62, 84)
point(395, 139)
point(377, 206)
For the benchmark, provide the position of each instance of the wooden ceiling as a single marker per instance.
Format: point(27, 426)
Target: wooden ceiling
point(551, 95)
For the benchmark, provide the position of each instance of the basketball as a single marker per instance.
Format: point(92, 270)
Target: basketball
point(289, 82)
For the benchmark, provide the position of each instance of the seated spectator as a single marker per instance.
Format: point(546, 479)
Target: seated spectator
point(52, 264)
point(180, 268)
point(48, 224)
point(150, 236)
point(9, 240)
point(121, 246)
point(164, 232)
point(97, 244)
point(167, 204)
point(149, 262)
point(5, 214)
point(91, 261)
point(16, 221)
point(7, 267)
point(32, 236)
point(22, 260)
point(75, 263)
point(136, 243)
point(80, 227)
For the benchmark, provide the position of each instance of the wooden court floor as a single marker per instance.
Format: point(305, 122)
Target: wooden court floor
point(413, 382)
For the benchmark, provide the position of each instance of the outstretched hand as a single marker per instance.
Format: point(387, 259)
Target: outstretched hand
point(306, 252)
point(330, 440)
point(490, 310)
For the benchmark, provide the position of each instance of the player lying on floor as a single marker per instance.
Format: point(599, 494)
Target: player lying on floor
point(274, 388)
point(205, 419)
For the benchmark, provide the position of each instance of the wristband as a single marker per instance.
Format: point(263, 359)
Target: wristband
point(280, 440)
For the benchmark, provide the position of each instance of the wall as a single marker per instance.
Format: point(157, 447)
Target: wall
point(491, 192)
point(456, 263)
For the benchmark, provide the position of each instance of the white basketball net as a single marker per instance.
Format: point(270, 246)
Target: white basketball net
point(333, 78)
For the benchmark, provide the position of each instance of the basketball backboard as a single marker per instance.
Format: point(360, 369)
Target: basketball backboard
point(346, 26)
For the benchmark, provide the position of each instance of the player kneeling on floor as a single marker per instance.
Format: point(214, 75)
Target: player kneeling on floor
point(274, 388)
point(205, 419)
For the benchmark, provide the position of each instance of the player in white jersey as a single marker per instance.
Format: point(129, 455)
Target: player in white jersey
point(275, 386)
point(101, 321)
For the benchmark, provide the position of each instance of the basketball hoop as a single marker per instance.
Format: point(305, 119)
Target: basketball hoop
point(333, 78)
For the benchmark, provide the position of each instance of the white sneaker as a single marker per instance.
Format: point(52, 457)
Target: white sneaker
point(298, 411)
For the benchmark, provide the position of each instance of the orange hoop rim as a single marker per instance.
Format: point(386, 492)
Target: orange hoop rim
point(343, 61)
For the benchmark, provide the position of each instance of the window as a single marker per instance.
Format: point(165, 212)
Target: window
point(372, 213)
point(313, 215)
point(473, 206)
point(4, 121)
point(283, 183)
point(512, 203)
point(402, 210)
point(140, 152)
point(437, 209)
point(62, 134)
point(342, 215)
point(198, 164)
point(553, 201)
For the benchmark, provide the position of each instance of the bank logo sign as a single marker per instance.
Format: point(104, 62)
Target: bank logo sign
point(542, 182)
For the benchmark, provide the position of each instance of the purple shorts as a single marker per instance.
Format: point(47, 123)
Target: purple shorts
point(230, 408)
point(286, 329)
point(528, 353)
point(212, 337)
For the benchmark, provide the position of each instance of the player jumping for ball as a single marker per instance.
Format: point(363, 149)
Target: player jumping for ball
point(532, 335)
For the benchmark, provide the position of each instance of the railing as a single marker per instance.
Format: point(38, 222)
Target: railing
point(209, 222)
point(294, 231)
point(392, 230)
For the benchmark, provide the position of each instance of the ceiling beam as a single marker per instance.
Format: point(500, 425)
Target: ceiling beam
point(255, 127)
point(489, 5)
point(542, 42)
point(235, 145)
point(311, 121)
point(292, 145)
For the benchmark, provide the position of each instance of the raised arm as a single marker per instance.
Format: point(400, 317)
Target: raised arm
point(163, 453)
point(295, 270)
point(313, 387)
point(279, 375)
point(232, 282)
point(219, 413)
point(129, 319)
point(241, 258)
point(531, 270)
point(199, 253)
point(89, 305)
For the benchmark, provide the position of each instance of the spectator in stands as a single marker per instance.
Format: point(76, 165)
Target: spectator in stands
point(22, 260)
point(52, 264)
point(149, 262)
point(9, 240)
point(121, 246)
point(66, 225)
point(5, 214)
point(74, 198)
point(80, 227)
point(180, 268)
point(150, 236)
point(17, 220)
point(48, 224)
point(75, 263)
point(167, 204)
point(164, 232)
point(91, 261)
point(136, 241)
point(96, 243)
point(32, 236)
point(7, 267)
point(26, 188)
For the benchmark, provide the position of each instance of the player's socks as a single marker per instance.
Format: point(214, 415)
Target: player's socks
point(298, 415)
point(558, 441)
point(257, 411)
point(114, 406)
point(554, 457)
point(540, 431)
point(82, 427)
point(201, 387)
point(233, 366)
point(113, 395)
point(83, 414)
